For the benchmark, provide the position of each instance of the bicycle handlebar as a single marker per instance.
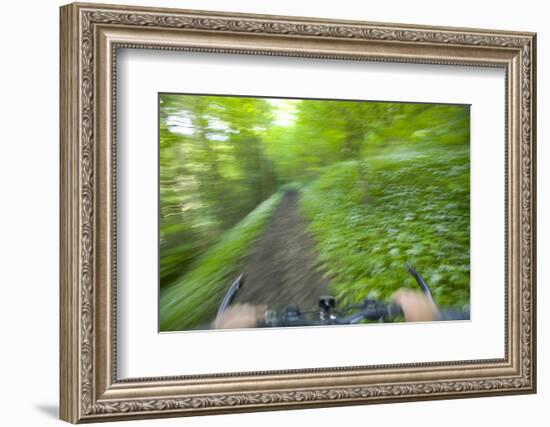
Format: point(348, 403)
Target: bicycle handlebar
point(371, 309)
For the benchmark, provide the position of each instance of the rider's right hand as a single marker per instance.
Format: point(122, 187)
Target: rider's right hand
point(416, 306)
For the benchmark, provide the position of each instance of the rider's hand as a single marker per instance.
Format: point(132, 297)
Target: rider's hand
point(241, 316)
point(416, 306)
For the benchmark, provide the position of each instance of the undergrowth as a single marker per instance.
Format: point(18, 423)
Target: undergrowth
point(405, 205)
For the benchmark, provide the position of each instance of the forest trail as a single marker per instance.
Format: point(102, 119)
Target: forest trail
point(282, 268)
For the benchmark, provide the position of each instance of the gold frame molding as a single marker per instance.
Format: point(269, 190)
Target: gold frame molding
point(90, 37)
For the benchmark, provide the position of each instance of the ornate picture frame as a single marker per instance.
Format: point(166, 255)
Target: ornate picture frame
point(90, 37)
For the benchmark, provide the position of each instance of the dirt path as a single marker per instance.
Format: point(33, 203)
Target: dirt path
point(282, 268)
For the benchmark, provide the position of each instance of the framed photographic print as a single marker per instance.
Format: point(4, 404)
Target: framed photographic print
point(266, 212)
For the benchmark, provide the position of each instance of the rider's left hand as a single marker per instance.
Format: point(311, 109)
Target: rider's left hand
point(241, 316)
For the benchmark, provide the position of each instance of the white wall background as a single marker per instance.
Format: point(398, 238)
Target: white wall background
point(29, 170)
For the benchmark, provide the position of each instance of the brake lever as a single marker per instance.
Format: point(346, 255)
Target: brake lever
point(229, 296)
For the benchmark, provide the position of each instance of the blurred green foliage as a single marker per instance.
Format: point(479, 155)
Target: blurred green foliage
point(193, 299)
point(416, 211)
point(213, 172)
point(382, 183)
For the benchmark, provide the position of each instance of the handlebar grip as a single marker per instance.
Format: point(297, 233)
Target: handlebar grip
point(393, 311)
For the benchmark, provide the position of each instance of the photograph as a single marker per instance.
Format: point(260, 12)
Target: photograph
point(290, 212)
point(261, 211)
